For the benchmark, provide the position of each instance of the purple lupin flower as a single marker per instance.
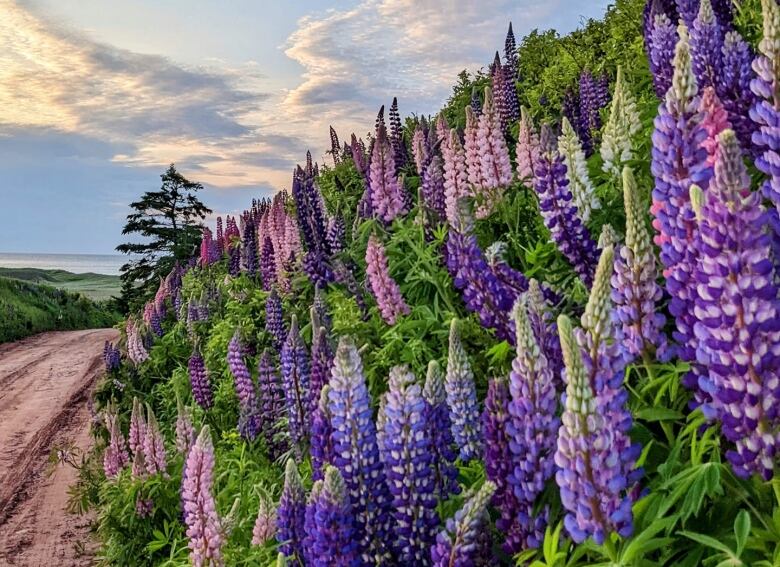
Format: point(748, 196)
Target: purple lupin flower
point(249, 248)
point(733, 88)
point(329, 526)
point(532, 424)
point(510, 55)
point(590, 118)
point(462, 541)
point(558, 211)
point(336, 235)
point(635, 290)
point(499, 90)
point(595, 456)
point(409, 468)
point(335, 146)
point(272, 404)
point(432, 187)
point(437, 418)
point(498, 460)
point(462, 398)
point(319, 311)
point(678, 161)
point(706, 46)
point(736, 309)
point(356, 453)
point(321, 449)
point(248, 422)
point(386, 190)
point(388, 296)
point(766, 111)
point(199, 380)
point(115, 456)
point(296, 374)
point(290, 516)
point(268, 264)
point(397, 137)
point(661, 52)
point(274, 319)
point(204, 529)
point(321, 363)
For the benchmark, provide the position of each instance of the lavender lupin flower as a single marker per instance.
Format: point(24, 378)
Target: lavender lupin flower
point(532, 425)
point(296, 374)
point(433, 187)
point(635, 290)
point(460, 542)
point(248, 423)
point(437, 416)
point(329, 526)
point(356, 453)
point(321, 362)
point(265, 524)
point(386, 291)
point(204, 528)
point(734, 87)
point(199, 380)
point(290, 516)
point(582, 190)
point(409, 468)
point(559, 212)
point(153, 445)
point(462, 398)
point(595, 456)
point(736, 309)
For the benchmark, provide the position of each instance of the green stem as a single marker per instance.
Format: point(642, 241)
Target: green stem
point(648, 362)
point(609, 547)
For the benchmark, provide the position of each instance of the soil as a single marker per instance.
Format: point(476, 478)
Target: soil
point(45, 383)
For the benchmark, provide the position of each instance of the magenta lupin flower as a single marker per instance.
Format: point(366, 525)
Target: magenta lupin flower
point(715, 120)
point(386, 291)
point(200, 513)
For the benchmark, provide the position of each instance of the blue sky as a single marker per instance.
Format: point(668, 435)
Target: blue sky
point(98, 96)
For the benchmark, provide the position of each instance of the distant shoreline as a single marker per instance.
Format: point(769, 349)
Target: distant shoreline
point(81, 264)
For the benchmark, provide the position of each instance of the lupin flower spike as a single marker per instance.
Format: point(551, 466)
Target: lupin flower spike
point(462, 398)
point(386, 190)
point(290, 515)
point(462, 542)
point(623, 124)
point(494, 164)
point(296, 377)
point(386, 291)
point(455, 176)
point(265, 525)
point(527, 148)
point(437, 416)
point(249, 424)
point(580, 185)
point(204, 528)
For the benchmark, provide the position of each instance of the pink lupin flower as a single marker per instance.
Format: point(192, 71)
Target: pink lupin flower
point(715, 119)
point(386, 291)
point(153, 445)
point(137, 431)
point(527, 148)
point(386, 191)
point(115, 457)
point(471, 145)
point(455, 176)
point(204, 528)
point(265, 525)
point(494, 163)
point(185, 431)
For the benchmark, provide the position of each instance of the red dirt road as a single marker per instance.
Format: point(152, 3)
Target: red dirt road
point(45, 382)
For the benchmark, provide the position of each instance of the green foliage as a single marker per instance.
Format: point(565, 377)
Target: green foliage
point(27, 309)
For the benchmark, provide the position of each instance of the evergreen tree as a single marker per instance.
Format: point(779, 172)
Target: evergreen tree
point(168, 222)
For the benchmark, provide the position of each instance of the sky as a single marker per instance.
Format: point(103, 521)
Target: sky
point(97, 97)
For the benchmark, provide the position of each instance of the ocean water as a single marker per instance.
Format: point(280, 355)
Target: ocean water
point(108, 264)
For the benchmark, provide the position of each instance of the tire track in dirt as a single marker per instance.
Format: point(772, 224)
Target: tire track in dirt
point(46, 381)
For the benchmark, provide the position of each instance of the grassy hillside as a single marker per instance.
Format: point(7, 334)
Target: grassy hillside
point(98, 287)
point(28, 308)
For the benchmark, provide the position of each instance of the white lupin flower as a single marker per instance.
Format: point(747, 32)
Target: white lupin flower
point(622, 126)
point(580, 184)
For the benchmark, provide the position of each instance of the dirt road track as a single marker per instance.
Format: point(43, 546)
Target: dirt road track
point(45, 381)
